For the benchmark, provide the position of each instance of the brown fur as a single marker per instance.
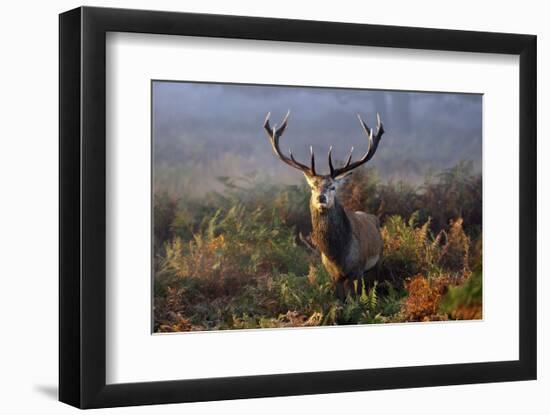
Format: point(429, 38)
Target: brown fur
point(350, 245)
point(366, 230)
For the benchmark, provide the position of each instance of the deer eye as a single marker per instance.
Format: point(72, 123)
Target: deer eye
point(332, 188)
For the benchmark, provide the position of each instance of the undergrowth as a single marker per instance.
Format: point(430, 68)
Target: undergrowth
point(236, 260)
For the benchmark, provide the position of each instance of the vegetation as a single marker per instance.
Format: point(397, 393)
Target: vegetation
point(240, 258)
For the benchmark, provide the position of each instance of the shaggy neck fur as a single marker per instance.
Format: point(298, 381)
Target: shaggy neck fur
point(331, 231)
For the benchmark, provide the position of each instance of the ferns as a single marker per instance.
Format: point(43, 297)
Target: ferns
point(465, 302)
point(411, 249)
point(369, 299)
point(235, 260)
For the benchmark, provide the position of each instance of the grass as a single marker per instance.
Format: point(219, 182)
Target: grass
point(234, 260)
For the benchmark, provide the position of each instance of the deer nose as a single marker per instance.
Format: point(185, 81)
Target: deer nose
point(322, 199)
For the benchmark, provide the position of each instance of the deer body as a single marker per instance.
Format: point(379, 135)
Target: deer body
point(350, 242)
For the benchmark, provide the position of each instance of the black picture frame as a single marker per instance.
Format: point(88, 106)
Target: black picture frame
point(82, 281)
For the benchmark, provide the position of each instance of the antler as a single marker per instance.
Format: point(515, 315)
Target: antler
point(373, 145)
point(274, 134)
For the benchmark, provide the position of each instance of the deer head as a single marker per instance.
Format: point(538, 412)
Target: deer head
point(323, 187)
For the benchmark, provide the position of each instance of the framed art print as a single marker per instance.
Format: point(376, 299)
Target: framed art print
point(256, 207)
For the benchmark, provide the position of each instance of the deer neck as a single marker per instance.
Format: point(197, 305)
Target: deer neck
point(331, 231)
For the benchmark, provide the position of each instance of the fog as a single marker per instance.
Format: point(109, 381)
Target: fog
point(208, 130)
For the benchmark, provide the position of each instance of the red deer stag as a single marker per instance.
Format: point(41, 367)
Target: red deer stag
point(350, 242)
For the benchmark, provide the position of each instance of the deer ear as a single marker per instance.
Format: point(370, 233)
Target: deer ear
point(343, 177)
point(309, 179)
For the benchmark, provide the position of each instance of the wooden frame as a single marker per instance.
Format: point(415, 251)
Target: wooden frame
point(82, 283)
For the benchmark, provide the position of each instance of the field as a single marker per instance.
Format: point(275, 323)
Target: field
point(242, 258)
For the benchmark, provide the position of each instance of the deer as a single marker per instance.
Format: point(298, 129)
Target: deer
point(350, 242)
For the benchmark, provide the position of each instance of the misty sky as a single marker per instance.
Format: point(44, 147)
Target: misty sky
point(217, 128)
